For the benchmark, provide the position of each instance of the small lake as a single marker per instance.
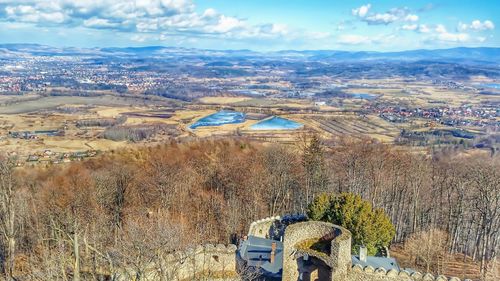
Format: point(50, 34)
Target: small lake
point(220, 118)
point(276, 123)
point(364, 96)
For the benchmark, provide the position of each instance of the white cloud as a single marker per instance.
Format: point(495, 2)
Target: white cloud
point(27, 13)
point(384, 18)
point(279, 29)
point(440, 28)
point(462, 26)
point(138, 38)
point(453, 37)
point(146, 26)
point(410, 27)
point(210, 13)
point(476, 25)
point(98, 23)
point(147, 20)
point(411, 18)
point(173, 17)
point(423, 28)
point(393, 15)
point(361, 11)
point(439, 32)
point(225, 24)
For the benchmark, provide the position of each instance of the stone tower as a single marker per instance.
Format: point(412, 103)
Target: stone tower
point(316, 250)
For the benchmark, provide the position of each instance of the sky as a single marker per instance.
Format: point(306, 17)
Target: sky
point(262, 25)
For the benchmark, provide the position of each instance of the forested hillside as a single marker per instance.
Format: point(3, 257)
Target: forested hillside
point(132, 207)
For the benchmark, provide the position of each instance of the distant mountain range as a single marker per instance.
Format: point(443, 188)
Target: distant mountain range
point(482, 55)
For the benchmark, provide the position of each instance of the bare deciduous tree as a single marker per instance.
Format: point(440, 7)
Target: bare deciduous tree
point(8, 216)
point(427, 248)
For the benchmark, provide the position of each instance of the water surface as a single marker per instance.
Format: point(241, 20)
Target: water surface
point(220, 118)
point(276, 123)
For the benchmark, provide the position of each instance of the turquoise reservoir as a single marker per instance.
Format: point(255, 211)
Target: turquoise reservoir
point(220, 118)
point(276, 123)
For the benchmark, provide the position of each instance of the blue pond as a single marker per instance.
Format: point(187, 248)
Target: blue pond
point(276, 123)
point(491, 85)
point(364, 96)
point(220, 118)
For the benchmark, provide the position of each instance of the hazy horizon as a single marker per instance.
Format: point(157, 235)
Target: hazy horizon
point(248, 49)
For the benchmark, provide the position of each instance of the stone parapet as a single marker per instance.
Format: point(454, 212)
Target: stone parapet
point(368, 273)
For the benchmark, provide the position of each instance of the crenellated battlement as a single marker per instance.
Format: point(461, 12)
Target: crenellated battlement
point(263, 227)
point(375, 274)
point(275, 218)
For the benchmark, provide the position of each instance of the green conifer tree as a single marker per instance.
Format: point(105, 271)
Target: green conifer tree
point(369, 227)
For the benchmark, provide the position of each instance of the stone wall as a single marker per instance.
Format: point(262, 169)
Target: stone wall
point(208, 262)
point(369, 273)
point(341, 253)
point(263, 228)
point(358, 273)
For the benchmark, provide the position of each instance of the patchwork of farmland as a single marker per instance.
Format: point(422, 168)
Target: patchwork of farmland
point(353, 126)
point(283, 136)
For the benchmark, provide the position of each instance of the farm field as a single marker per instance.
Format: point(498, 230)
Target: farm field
point(357, 115)
point(354, 126)
point(46, 103)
